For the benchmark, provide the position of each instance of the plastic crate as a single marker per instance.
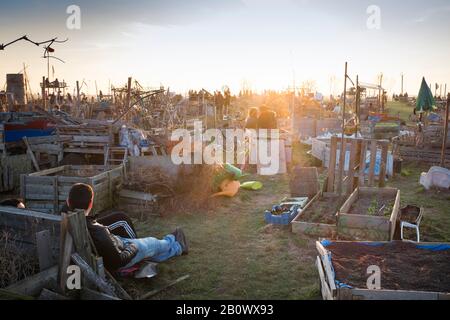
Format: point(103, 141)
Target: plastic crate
point(282, 219)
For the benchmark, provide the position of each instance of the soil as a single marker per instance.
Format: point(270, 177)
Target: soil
point(403, 266)
point(409, 214)
point(380, 205)
point(322, 210)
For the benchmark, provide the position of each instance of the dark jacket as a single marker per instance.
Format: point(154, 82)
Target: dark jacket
point(251, 123)
point(109, 246)
point(116, 254)
point(267, 120)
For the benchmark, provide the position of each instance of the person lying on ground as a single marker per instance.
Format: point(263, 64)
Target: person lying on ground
point(121, 252)
point(16, 203)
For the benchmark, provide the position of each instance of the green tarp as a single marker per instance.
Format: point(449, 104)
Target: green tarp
point(425, 100)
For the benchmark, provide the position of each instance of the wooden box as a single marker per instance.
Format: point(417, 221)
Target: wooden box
point(332, 290)
point(47, 190)
point(361, 224)
point(305, 224)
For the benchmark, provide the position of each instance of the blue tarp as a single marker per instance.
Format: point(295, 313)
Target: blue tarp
point(17, 135)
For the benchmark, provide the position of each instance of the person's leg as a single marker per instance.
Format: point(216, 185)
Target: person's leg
point(155, 249)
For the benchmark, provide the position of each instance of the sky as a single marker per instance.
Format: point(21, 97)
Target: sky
point(255, 44)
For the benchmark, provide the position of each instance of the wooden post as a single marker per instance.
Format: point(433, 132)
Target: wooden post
point(128, 101)
point(44, 250)
point(444, 142)
point(332, 164)
point(358, 106)
point(343, 146)
point(80, 235)
point(66, 249)
point(78, 99)
point(44, 97)
point(383, 164)
point(351, 166)
point(373, 159)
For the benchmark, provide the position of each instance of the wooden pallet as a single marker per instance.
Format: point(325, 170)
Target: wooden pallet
point(356, 176)
point(86, 139)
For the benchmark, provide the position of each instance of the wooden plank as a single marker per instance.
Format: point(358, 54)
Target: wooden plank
point(332, 165)
point(325, 289)
point(50, 295)
point(80, 235)
point(92, 277)
point(121, 293)
point(373, 155)
point(341, 168)
point(141, 195)
point(364, 294)
point(42, 140)
point(347, 204)
point(48, 172)
point(44, 250)
point(31, 154)
point(84, 150)
point(361, 221)
point(88, 294)
point(329, 274)
point(37, 180)
point(33, 285)
point(29, 213)
point(383, 165)
point(395, 215)
point(66, 250)
point(352, 164)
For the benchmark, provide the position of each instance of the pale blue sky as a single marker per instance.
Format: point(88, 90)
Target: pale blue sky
point(211, 43)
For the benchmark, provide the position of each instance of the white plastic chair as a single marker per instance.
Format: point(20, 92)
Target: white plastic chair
point(415, 225)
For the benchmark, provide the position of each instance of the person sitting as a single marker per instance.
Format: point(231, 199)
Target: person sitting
point(267, 119)
point(252, 120)
point(120, 252)
point(16, 203)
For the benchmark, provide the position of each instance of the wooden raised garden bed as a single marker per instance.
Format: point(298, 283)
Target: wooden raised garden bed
point(370, 214)
point(409, 271)
point(319, 217)
point(47, 190)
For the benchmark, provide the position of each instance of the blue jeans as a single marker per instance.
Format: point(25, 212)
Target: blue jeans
point(154, 249)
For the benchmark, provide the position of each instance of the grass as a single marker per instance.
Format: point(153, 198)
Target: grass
point(435, 226)
point(235, 255)
point(399, 108)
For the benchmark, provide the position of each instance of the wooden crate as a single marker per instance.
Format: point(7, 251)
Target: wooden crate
point(48, 190)
point(300, 226)
point(331, 292)
point(364, 226)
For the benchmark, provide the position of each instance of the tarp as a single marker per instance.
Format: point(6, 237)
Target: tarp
point(425, 101)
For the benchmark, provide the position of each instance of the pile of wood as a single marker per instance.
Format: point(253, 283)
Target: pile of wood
point(75, 247)
point(86, 139)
